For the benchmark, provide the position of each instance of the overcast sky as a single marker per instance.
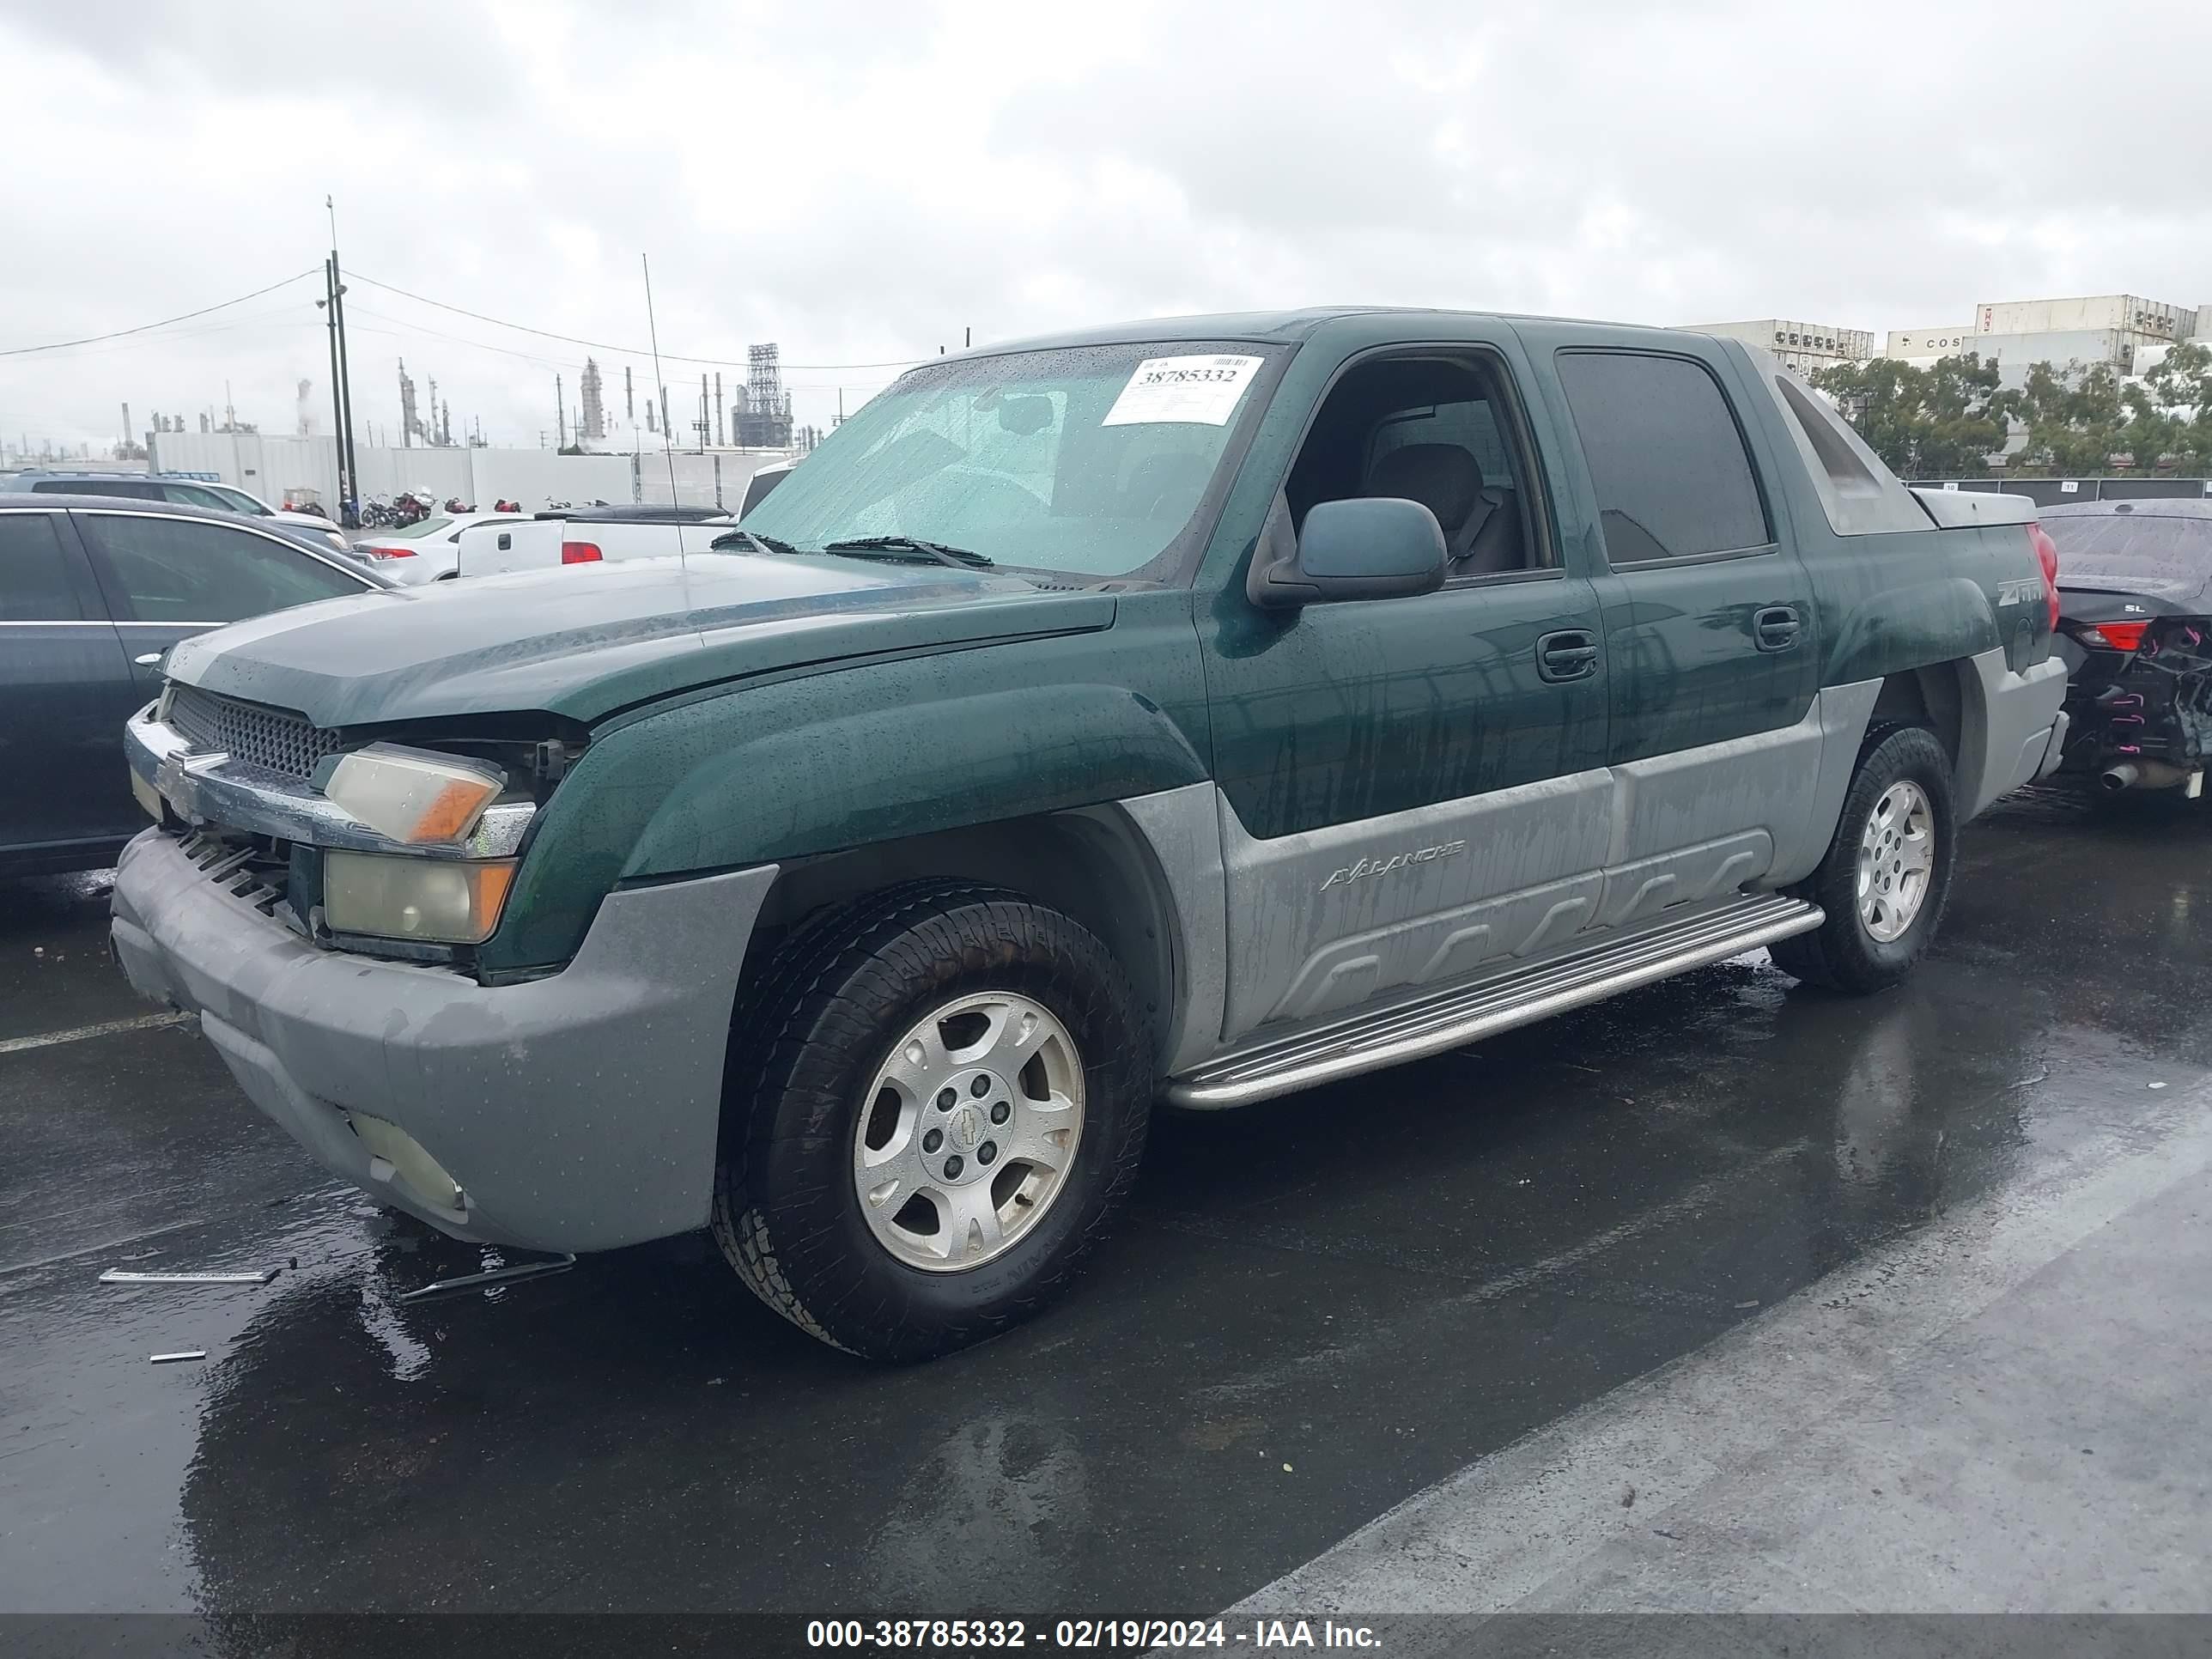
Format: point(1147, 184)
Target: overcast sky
point(859, 183)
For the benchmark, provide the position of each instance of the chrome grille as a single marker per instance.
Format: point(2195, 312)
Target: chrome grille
point(278, 742)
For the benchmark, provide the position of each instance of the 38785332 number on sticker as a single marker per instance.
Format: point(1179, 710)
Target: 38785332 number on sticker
point(1202, 390)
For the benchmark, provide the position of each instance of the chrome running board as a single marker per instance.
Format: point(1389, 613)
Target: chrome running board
point(1466, 1013)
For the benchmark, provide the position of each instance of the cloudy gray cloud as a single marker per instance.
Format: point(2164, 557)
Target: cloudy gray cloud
point(862, 182)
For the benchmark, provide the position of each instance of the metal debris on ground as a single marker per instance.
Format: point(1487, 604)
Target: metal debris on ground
point(118, 1276)
point(492, 1276)
point(178, 1358)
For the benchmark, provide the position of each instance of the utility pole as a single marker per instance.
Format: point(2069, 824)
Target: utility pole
point(349, 509)
point(560, 410)
point(328, 308)
point(718, 408)
point(702, 413)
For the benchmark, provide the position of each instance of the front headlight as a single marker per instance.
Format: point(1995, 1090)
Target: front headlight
point(414, 795)
point(442, 901)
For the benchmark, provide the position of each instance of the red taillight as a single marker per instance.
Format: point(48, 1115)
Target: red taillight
point(580, 553)
point(2046, 555)
point(2115, 636)
point(377, 552)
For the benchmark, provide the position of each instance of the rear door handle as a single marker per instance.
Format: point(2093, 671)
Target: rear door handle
point(1570, 654)
point(505, 542)
point(1778, 628)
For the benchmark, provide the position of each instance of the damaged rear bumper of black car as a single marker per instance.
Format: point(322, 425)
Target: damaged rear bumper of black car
point(2139, 701)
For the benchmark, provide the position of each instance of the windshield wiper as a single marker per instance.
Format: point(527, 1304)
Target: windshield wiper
point(959, 558)
point(766, 543)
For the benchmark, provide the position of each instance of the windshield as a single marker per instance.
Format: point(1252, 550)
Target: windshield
point(2162, 556)
point(2124, 543)
point(1085, 460)
point(238, 500)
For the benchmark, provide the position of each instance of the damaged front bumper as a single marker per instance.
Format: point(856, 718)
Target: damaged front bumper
point(576, 1112)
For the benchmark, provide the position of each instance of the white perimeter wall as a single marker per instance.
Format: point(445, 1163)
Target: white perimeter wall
point(269, 466)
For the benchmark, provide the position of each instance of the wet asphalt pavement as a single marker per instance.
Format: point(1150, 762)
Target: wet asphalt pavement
point(1315, 1308)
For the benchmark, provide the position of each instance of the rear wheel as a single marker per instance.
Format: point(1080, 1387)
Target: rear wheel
point(941, 1098)
point(1888, 873)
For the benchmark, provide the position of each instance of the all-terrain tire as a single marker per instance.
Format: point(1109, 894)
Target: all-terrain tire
point(1843, 954)
point(787, 1213)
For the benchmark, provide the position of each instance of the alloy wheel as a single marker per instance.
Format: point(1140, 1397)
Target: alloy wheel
point(1896, 860)
point(969, 1132)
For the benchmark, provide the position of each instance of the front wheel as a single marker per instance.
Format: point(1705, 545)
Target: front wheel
point(1888, 873)
point(941, 1097)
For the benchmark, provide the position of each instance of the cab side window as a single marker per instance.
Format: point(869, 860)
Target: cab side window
point(189, 570)
point(1665, 457)
point(1432, 430)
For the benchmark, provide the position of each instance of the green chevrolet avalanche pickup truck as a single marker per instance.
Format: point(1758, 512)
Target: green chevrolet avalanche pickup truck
point(1193, 710)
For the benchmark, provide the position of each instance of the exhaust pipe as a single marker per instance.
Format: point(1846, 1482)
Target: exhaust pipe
point(2149, 775)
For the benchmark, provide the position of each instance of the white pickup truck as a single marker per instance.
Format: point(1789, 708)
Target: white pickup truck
point(594, 535)
point(589, 535)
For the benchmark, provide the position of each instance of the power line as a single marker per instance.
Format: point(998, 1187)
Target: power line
point(94, 339)
point(437, 334)
point(427, 332)
point(602, 345)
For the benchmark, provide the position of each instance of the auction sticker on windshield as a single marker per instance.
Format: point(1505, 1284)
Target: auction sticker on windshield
point(1203, 390)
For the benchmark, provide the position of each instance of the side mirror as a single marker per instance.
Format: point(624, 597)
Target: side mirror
point(1374, 548)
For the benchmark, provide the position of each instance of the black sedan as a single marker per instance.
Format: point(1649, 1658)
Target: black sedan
point(93, 589)
point(2135, 592)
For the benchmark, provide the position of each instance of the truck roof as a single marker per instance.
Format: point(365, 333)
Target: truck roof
point(1284, 327)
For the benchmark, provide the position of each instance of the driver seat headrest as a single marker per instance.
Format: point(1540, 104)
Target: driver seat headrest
point(1443, 477)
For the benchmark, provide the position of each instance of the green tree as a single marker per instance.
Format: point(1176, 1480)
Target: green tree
point(1943, 421)
point(2089, 422)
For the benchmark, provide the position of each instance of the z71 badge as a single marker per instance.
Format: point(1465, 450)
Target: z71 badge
point(1366, 867)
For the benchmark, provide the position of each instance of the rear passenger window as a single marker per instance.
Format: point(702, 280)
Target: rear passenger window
point(193, 570)
point(34, 578)
point(1665, 456)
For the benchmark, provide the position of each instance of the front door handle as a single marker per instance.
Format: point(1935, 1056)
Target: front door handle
point(1570, 654)
point(1778, 628)
point(148, 660)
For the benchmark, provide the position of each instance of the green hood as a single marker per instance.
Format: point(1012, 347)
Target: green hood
point(585, 640)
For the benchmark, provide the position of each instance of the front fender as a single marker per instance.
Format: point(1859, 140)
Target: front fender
point(849, 757)
point(876, 774)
